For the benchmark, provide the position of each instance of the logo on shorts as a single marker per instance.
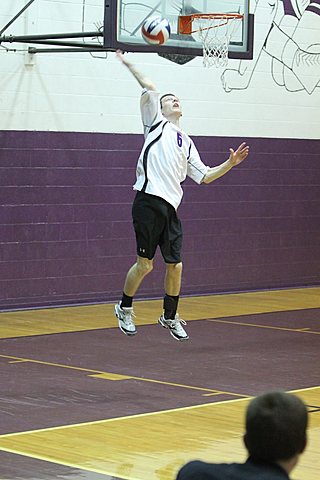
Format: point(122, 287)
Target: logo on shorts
point(142, 250)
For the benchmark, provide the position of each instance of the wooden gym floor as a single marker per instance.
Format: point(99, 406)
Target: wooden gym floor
point(81, 400)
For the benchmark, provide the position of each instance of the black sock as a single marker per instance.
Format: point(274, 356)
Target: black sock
point(126, 301)
point(170, 306)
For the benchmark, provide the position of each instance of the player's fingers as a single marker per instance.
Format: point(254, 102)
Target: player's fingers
point(244, 151)
point(242, 146)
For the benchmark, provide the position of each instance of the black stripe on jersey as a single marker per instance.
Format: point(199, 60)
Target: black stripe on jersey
point(189, 151)
point(145, 155)
point(153, 127)
point(196, 168)
point(191, 162)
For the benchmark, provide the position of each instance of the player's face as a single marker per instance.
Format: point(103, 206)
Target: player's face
point(171, 106)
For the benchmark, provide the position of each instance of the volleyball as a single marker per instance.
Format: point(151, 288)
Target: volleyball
point(156, 30)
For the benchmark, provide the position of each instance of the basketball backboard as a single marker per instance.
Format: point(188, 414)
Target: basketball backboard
point(124, 18)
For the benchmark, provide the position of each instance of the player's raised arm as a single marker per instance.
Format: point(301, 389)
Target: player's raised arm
point(235, 158)
point(144, 81)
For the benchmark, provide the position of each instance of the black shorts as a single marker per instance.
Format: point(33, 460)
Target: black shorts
point(156, 223)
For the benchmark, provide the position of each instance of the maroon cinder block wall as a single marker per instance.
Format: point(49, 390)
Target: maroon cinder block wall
point(65, 218)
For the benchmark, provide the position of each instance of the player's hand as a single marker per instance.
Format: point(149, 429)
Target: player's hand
point(121, 57)
point(239, 155)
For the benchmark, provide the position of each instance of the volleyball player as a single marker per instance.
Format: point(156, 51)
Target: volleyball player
point(167, 157)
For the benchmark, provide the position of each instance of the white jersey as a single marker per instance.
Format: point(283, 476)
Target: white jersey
point(168, 155)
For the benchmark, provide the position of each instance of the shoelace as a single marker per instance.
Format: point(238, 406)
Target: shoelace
point(176, 323)
point(179, 327)
point(128, 314)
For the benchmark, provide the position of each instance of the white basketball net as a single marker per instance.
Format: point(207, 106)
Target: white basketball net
point(215, 35)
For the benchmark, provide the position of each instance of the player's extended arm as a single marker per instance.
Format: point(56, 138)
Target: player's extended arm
point(145, 82)
point(235, 158)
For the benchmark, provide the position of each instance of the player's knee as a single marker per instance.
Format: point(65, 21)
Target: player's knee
point(175, 268)
point(144, 266)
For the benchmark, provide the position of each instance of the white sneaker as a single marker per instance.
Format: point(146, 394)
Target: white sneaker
point(125, 317)
point(175, 327)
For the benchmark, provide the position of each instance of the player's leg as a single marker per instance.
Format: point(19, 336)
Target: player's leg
point(144, 221)
point(124, 310)
point(135, 275)
point(172, 285)
point(170, 245)
point(172, 280)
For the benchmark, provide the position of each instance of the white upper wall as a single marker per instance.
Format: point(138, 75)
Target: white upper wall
point(277, 94)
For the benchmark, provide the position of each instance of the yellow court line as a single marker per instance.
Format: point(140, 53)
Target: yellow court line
point(115, 377)
point(65, 463)
point(307, 389)
point(51, 321)
point(299, 330)
point(50, 364)
point(19, 361)
point(22, 438)
point(142, 415)
point(128, 417)
point(214, 392)
point(110, 376)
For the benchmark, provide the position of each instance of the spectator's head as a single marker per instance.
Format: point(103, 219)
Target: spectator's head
point(276, 424)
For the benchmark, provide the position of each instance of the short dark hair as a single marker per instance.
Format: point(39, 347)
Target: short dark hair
point(166, 95)
point(276, 424)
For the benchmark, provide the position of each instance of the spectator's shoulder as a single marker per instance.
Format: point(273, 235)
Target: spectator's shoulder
point(195, 470)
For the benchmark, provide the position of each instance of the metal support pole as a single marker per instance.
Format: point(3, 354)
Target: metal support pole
point(30, 38)
point(33, 50)
point(15, 17)
point(64, 44)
